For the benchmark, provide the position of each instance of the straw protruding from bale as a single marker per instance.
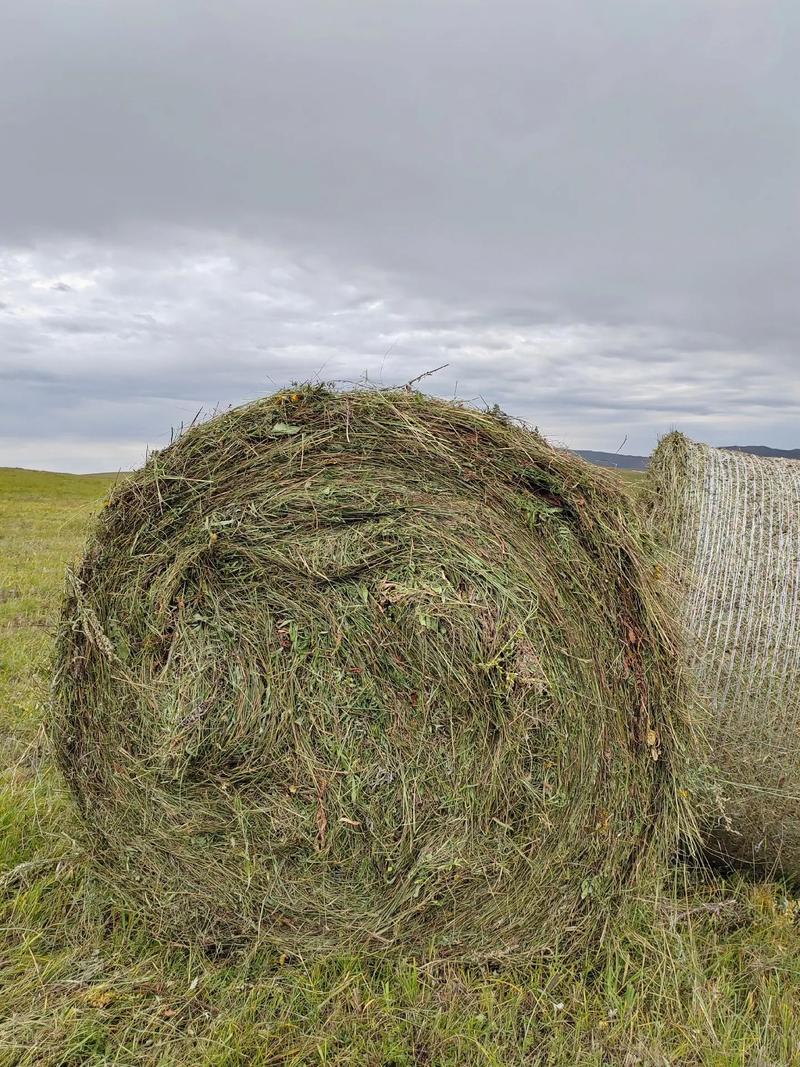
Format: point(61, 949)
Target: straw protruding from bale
point(732, 521)
point(358, 670)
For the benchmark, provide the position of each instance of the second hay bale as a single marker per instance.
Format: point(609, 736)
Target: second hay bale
point(732, 521)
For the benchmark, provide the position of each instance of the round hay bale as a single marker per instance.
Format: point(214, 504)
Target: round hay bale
point(733, 523)
point(354, 670)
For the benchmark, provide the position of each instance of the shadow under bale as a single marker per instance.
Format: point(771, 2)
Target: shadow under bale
point(358, 670)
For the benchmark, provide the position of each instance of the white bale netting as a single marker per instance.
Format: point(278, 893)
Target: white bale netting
point(733, 523)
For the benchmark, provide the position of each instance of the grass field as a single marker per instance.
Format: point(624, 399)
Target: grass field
point(717, 982)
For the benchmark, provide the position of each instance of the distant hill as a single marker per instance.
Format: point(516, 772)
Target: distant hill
point(639, 463)
point(765, 450)
point(613, 459)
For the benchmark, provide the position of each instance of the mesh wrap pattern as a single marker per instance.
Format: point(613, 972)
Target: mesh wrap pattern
point(735, 525)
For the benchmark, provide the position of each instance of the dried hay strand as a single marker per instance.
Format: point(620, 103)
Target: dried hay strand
point(732, 521)
point(346, 671)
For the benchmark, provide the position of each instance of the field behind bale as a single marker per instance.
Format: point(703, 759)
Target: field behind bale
point(82, 984)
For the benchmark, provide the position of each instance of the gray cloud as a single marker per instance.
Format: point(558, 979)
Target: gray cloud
point(144, 339)
point(590, 211)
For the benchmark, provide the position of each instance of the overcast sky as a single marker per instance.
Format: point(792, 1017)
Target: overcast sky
point(589, 210)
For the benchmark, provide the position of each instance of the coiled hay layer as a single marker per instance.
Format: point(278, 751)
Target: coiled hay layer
point(733, 521)
point(368, 669)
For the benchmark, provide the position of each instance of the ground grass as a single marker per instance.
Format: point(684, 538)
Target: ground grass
point(717, 982)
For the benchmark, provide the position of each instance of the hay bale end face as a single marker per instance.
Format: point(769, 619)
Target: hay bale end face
point(731, 520)
point(364, 670)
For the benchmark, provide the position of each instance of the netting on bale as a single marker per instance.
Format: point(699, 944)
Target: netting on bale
point(733, 522)
point(360, 670)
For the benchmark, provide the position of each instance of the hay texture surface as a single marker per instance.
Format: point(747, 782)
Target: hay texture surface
point(733, 521)
point(365, 670)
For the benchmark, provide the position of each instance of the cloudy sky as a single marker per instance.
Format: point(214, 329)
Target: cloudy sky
point(589, 211)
